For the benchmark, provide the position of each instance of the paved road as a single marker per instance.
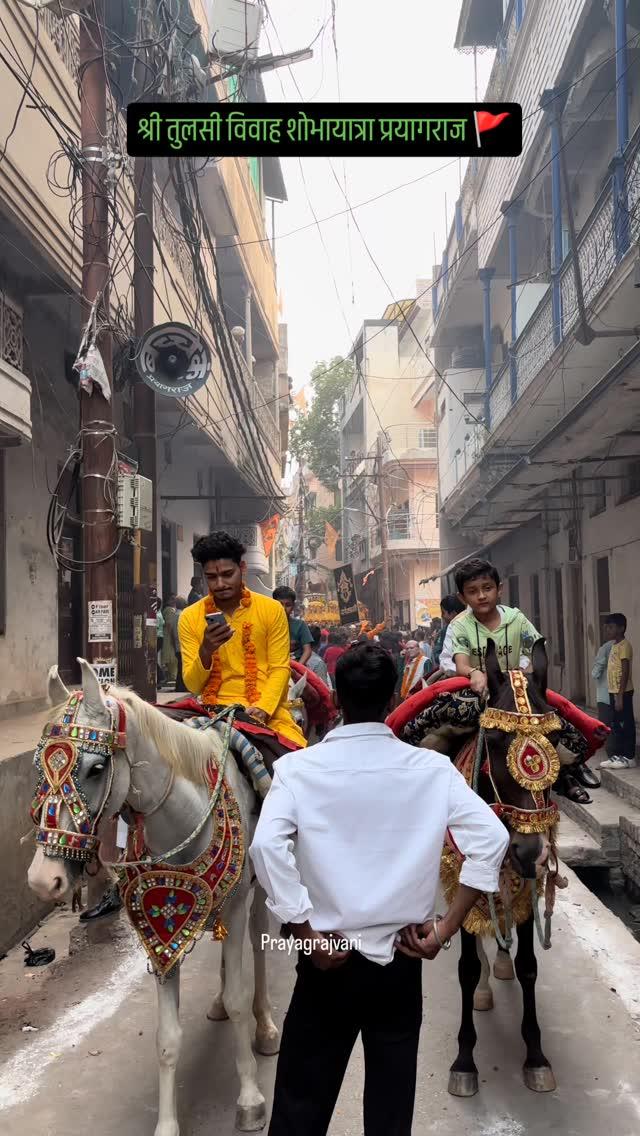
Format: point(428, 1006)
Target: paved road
point(90, 1067)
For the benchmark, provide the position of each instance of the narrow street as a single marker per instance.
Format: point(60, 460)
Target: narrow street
point(90, 1067)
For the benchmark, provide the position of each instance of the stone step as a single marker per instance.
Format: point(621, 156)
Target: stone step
point(625, 783)
point(577, 848)
point(601, 819)
point(630, 848)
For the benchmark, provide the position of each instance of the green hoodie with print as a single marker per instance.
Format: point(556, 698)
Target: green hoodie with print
point(514, 638)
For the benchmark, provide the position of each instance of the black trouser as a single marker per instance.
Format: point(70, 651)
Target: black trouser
point(604, 716)
point(623, 726)
point(328, 1010)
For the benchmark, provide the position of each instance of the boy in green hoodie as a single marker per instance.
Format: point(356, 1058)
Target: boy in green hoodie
point(480, 588)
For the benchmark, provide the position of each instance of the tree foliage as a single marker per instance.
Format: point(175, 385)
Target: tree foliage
point(318, 517)
point(314, 438)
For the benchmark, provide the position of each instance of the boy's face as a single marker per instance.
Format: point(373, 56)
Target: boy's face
point(288, 606)
point(612, 631)
point(482, 595)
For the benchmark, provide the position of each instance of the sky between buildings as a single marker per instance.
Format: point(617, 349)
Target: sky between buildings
point(398, 52)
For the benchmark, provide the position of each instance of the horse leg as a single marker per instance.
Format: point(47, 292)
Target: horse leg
point(251, 1113)
point(483, 997)
point(503, 966)
point(169, 1038)
point(538, 1074)
point(463, 1076)
point(267, 1035)
point(217, 1013)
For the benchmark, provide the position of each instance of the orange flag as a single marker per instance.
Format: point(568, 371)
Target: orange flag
point(331, 538)
point(269, 529)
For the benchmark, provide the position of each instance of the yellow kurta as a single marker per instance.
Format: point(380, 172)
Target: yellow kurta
point(270, 634)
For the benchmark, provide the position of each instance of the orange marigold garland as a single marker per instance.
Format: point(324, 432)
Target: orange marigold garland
point(212, 687)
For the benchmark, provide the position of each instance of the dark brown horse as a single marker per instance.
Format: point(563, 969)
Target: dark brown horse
point(502, 780)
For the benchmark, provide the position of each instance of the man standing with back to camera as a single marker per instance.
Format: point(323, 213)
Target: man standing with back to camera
point(348, 848)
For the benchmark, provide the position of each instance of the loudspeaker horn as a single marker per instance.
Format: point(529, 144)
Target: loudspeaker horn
point(174, 360)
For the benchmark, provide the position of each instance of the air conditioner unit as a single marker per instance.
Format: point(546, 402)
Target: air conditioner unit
point(135, 502)
point(235, 26)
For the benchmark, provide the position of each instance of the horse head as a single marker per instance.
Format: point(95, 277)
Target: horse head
point(83, 777)
point(521, 733)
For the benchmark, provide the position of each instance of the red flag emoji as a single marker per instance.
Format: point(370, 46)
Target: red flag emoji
point(486, 121)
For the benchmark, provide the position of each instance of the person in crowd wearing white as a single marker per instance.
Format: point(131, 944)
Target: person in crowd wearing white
point(348, 849)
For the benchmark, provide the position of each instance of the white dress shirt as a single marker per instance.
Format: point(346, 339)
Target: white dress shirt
point(351, 832)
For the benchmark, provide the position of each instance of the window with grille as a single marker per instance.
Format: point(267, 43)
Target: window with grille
point(514, 591)
point(426, 438)
point(598, 500)
point(630, 486)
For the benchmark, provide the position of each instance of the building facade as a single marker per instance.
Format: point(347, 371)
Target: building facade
point(208, 471)
point(535, 330)
point(388, 432)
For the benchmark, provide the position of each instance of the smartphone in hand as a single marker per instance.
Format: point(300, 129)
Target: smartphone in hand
point(215, 619)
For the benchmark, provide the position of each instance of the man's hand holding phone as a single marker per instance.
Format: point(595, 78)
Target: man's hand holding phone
point(218, 633)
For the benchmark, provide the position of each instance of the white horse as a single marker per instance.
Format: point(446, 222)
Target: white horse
point(161, 774)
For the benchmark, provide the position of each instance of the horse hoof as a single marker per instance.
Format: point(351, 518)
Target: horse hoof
point(483, 1000)
point(217, 1012)
point(463, 1084)
point(251, 1119)
point(540, 1080)
point(503, 967)
point(268, 1044)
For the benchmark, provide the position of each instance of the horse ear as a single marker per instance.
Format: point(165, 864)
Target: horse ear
point(495, 677)
point(56, 690)
point(92, 697)
point(540, 665)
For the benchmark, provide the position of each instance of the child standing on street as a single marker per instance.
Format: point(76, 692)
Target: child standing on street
point(620, 680)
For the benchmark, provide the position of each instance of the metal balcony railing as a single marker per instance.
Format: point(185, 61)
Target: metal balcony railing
point(597, 252)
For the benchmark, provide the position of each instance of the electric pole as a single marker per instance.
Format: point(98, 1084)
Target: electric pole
point(99, 468)
point(97, 431)
point(300, 580)
point(384, 547)
point(145, 595)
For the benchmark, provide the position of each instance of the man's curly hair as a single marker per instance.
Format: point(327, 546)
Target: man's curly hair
point(217, 546)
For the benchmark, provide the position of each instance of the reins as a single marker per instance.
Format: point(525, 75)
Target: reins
point(539, 819)
point(227, 715)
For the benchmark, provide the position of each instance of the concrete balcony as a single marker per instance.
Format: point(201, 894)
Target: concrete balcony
point(39, 214)
point(403, 534)
point(410, 443)
point(244, 254)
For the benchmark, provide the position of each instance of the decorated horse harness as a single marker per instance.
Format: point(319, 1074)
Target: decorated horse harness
point(168, 906)
point(533, 763)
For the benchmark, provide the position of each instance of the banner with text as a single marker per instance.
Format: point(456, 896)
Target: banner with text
point(329, 129)
point(346, 590)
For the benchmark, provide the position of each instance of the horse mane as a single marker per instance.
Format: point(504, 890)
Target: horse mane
point(187, 752)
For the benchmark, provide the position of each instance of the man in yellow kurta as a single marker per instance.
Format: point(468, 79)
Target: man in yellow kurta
point(244, 659)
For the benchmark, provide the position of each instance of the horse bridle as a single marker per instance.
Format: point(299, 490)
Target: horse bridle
point(56, 758)
point(532, 760)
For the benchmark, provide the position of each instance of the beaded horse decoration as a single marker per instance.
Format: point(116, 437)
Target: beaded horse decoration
point(168, 906)
point(534, 765)
point(171, 906)
point(56, 758)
